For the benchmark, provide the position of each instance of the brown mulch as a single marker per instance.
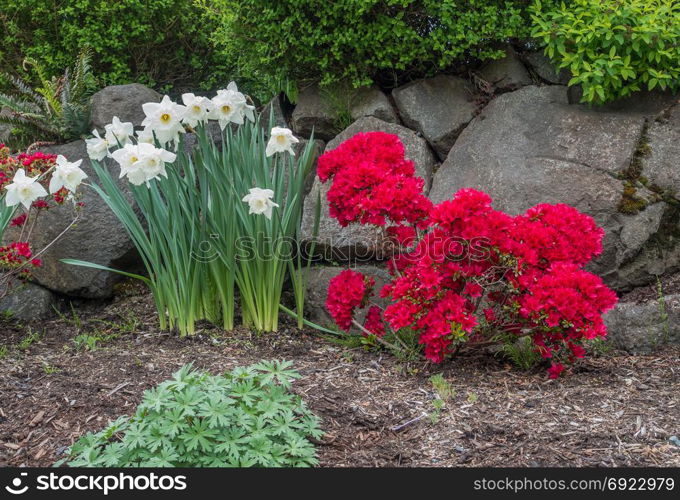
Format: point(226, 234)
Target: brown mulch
point(610, 410)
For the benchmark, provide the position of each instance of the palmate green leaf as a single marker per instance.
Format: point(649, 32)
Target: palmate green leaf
point(217, 410)
point(277, 371)
point(199, 436)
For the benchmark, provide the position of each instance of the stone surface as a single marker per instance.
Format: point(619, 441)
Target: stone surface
point(530, 146)
point(546, 69)
point(123, 101)
point(439, 108)
point(97, 237)
point(507, 73)
point(641, 328)
point(662, 164)
point(359, 242)
point(317, 150)
point(275, 106)
point(28, 302)
point(313, 113)
point(317, 291)
point(371, 101)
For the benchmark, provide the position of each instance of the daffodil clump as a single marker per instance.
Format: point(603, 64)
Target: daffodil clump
point(221, 217)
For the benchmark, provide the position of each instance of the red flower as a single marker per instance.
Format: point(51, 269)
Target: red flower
point(555, 370)
point(18, 221)
point(346, 292)
point(469, 266)
point(374, 322)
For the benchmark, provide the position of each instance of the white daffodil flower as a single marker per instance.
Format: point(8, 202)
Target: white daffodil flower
point(152, 161)
point(198, 109)
point(97, 147)
point(118, 132)
point(145, 136)
point(165, 119)
point(230, 106)
point(66, 174)
point(142, 162)
point(260, 201)
point(281, 140)
point(24, 190)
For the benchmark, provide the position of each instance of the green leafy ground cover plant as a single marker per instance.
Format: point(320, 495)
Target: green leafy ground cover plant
point(245, 418)
point(613, 47)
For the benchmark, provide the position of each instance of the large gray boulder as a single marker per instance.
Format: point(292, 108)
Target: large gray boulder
point(643, 327)
point(371, 101)
point(507, 73)
point(439, 108)
point(530, 146)
point(314, 113)
point(97, 237)
point(28, 302)
point(123, 101)
point(319, 277)
point(359, 242)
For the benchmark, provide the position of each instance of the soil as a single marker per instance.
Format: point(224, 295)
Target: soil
point(612, 409)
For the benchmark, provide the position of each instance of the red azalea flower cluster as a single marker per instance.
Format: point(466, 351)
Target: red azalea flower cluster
point(367, 170)
point(474, 271)
point(347, 291)
point(34, 164)
point(18, 254)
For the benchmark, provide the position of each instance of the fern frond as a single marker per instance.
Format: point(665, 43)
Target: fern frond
point(24, 88)
point(17, 105)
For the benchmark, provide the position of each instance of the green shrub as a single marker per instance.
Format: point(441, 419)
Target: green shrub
point(613, 47)
point(154, 42)
point(357, 40)
point(240, 419)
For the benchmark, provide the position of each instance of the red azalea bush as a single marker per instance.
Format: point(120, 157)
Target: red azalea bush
point(17, 258)
point(465, 272)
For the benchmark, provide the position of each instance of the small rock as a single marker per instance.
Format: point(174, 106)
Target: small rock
point(439, 108)
point(28, 302)
point(506, 74)
point(640, 328)
point(313, 114)
point(371, 101)
point(546, 69)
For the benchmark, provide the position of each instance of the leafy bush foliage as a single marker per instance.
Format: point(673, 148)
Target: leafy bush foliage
point(152, 42)
point(463, 273)
point(58, 109)
point(613, 47)
point(243, 418)
point(355, 40)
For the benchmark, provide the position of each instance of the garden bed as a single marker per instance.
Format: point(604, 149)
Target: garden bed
point(612, 410)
